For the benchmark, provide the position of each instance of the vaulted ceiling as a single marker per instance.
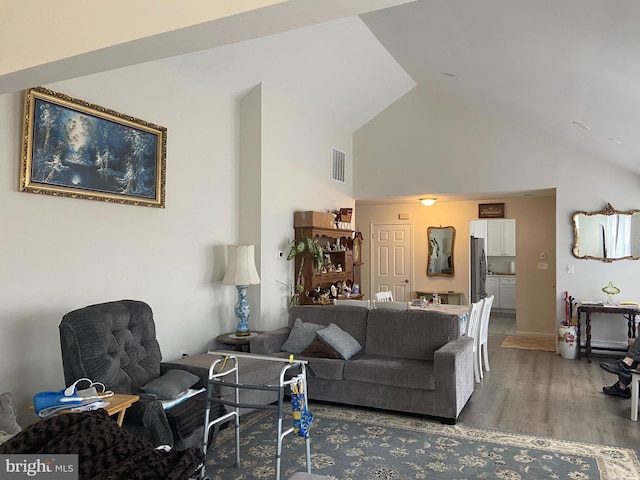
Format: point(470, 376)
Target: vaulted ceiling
point(565, 67)
point(568, 68)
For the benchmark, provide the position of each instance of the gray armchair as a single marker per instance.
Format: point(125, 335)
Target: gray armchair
point(115, 343)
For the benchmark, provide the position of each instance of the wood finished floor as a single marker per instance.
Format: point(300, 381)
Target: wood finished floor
point(541, 393)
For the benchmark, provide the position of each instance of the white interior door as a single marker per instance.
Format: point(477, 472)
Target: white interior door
point(392, 260)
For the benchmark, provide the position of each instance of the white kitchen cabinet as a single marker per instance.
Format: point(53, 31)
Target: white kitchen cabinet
point(501, 238)
point(478, 228)
point(493, 288)
point(508, 293)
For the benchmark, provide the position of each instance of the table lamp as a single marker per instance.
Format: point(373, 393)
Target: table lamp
point(241, 272)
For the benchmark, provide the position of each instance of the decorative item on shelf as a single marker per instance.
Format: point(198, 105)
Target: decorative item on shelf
point(241, 272)
point(343, 217)
point(610, 290)
point(357, 247)
point(324, 299)
point(302, 247)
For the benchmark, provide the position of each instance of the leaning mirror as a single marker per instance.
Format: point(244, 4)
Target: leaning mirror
point(440, 253)
point(607, 235)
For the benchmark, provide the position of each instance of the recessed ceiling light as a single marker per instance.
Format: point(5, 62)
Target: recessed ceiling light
point(452, 75)
point(427, 202)
point(581, 125)
point(615, 140)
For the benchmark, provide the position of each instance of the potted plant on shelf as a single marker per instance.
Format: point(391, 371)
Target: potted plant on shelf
point(302, 247)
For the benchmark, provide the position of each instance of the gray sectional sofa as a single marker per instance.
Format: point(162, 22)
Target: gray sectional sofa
point(410, 361)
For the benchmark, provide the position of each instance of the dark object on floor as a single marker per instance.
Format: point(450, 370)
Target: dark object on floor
point(115, 343)
point(105, 451)
point(616, 390)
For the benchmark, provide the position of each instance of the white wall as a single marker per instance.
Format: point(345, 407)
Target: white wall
point(295, 176)
point(60, 254)
point(536, 293)
point(422, 145)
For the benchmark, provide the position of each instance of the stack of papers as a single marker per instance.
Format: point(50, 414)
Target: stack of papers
point(167, 404)
point(592, 302)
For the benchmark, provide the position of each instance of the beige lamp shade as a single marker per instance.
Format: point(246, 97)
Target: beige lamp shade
point(241, 267)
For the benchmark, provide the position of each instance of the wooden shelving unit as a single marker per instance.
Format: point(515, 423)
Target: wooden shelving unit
point(337, 246)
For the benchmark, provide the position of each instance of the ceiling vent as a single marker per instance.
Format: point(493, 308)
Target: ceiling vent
point(337, 165)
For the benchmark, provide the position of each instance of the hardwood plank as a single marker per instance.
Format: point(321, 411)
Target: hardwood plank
point(541, 393)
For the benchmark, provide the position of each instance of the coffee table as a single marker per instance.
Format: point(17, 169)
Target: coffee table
point(118, 403)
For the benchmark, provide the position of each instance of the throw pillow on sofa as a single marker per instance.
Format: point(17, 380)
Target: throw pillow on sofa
point(301, 336)
point(319, 349)
point(341, 341)
point(171, 384)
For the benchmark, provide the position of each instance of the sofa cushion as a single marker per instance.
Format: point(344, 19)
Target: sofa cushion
point(412, 334)
point(352, 320)
point(301, 336)
point(320, 349)
point(171, 384)
point(397, 372)
point(325, 368)
point(341, 341)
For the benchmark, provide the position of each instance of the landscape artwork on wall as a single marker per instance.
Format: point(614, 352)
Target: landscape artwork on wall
point(72, 148)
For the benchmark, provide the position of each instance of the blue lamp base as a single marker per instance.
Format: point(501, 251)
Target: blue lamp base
point(242, 310)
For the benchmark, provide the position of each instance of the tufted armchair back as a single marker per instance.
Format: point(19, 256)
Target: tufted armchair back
point(113, 343)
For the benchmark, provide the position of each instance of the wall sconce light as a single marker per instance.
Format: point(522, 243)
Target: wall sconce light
point(427, 202)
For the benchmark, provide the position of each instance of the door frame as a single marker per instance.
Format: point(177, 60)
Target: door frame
point(372, 251)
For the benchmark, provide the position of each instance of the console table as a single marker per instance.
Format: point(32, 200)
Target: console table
point(447, 297)
point(629, 312)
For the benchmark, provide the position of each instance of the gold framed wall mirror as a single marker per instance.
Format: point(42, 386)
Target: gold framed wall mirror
point(440, 243)
point(607, 235)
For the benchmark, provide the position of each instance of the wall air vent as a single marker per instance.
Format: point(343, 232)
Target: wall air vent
point(338, 160)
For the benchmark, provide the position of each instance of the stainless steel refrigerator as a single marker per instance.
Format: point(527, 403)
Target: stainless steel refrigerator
point(478, 270)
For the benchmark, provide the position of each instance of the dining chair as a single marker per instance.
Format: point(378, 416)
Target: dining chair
point(384, 297)
point(473, 331)
point(483, 348)
point(352, 302)
point(391, 305)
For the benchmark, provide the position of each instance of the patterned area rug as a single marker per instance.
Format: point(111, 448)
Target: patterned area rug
point(529, 343)
point(350, 443)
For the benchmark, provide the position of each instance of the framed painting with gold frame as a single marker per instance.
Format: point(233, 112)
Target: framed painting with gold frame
point(72, 148)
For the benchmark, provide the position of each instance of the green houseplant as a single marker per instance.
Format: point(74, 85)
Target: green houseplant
point(302, 247)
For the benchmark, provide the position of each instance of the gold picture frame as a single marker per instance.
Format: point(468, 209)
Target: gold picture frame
point(72, 148)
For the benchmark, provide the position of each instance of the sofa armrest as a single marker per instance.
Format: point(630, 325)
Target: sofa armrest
point(147, 418)
point(453, 370)
point(269, 342)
